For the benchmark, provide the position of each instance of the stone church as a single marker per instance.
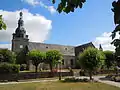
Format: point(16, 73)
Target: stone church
point(20, 40)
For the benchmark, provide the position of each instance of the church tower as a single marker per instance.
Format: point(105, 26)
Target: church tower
point(20, 39)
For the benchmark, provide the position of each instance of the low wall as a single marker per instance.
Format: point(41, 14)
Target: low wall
point(32, 75)
point(107, 71)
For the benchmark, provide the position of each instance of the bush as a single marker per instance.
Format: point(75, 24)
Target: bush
point(23, 67)
point(7, 56)
point(76, 80)
point(117, 79)
point(109, 76)
point(6, 68)
point(113, 78)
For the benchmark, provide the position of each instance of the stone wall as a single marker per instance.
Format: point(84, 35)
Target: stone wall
point(31, 75)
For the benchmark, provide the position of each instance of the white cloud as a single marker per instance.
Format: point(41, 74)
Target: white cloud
point(8, 46)
point(105, 40)
point(36, 26)
point(32, 2)
point(39, 2)
point(52, 9)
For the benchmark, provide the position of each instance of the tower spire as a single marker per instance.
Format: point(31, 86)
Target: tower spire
point(20, 30)
point(20, 21)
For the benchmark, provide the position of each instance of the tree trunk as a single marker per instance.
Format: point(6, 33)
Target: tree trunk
point(35, 69)
point(90, 75)
point(51, 69)
point(60, 72)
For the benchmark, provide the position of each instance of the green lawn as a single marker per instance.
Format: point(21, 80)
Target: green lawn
point(58, 86)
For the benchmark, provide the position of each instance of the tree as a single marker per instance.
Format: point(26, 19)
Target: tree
point(2, 24)
point(53, 57)
point(116, 11)
point(37, 57)
point(68, 6)
point(7, 56)
point(110, 59)
point(21, 57)
point(91, 60)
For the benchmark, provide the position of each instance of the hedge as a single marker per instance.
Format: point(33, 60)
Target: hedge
point(6, 68)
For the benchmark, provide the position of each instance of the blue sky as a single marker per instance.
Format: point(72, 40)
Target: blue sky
point(93, 21)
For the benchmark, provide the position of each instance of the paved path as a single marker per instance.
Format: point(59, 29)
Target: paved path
point(28, 82)
point(98, 78)
point(117, 84)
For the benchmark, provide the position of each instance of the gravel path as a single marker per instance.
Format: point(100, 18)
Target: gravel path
point(28, 82)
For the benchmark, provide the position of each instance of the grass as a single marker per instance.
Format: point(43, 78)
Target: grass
point(58, 86)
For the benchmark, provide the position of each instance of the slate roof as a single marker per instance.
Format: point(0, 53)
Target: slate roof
point(64, 49)
point(80, 48)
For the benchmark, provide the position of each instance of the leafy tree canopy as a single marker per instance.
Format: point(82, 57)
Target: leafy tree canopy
point(2, 24)
point(91, 60)
point(7, 56)
point(68, 6)
point(110, 58)
point(53, 57)
point(116, 11)
point(37, 57)
point(21, 57)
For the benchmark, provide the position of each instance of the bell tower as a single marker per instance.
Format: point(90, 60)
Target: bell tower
point(20, 39)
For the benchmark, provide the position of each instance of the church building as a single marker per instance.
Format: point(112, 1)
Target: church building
point(20, 41)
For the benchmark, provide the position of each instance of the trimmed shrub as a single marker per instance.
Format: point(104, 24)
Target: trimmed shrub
point(113, 78)
point(6, 68)
point(117, 79)
point(109, 76)
point(23, 67)
point(7, 56)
